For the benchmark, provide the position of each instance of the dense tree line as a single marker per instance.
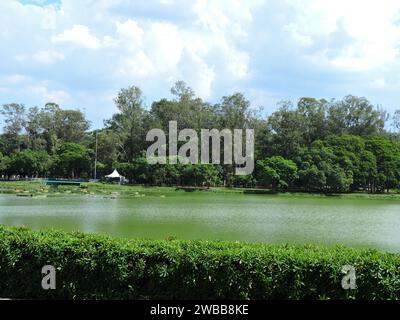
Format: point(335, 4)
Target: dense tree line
point(313, 145)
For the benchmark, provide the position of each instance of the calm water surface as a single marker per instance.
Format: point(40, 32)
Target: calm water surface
point(255, 218)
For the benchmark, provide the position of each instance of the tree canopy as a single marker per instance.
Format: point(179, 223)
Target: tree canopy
point(312, 145)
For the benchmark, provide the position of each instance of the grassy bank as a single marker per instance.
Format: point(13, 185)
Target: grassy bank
point(98, 267)
point(37, 188)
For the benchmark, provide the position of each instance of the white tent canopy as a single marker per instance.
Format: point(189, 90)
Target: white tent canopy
point(114, 174)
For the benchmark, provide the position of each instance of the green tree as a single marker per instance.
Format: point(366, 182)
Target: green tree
point(107, 147)
point(126, 169)
point(33, 127)
point(4, 164)
point(71, 160)
point(355, 115)
point(312, 178)
point(29, 163)
point(201, 175)
point(234, 112)
point(71, 126)
point(396, 120)
point(51, 126)
point(130, 123)
point(319, 170)
point(387, 156)
point(285, 128)
point(352, 156)
point(277, 172)
point(186, 109)
point(14, 119)
point(247, 181)
point(312, 118)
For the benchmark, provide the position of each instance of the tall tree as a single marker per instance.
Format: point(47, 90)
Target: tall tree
point(60, 126)
point(14, 119)
point(107, 147)
point(285, 129)
point(33, 127)
point(312, 116)
point(186, 109)
point(130, 123)
point(234, 112)
point(355, 115)
point(396, 120)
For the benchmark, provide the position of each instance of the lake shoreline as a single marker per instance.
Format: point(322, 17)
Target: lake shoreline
point(35, 188)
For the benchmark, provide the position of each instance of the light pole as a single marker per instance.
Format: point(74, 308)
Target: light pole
point(95, 160)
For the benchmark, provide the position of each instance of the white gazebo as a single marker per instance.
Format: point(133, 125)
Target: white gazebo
point(115, 175)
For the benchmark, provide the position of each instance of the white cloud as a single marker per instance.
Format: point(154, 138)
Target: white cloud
point(226, 15)
point(167, 42)
point(139, 65)
point(386, 83)
point(297, 35)
point(265, 48)
point(130, 31)
point(157, 50)
point(264, 98)
point(371, 25)
point(44, 94)
point(141, 49)
point(21, 85)
point(14, 79)
point(48, 57)
point(79, 35)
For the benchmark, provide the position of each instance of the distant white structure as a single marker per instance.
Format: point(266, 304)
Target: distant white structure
point(115, 175)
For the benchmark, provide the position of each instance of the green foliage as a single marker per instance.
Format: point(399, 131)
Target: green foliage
point(188, 110)
point(387, 156)
point(247, 181)
point(333, 146)
point(127, 170)
point(352, 155)
point(140, 171)
point(129, 124)
point(355, 115)
point(4, 163)
point(57, 126)
point(71, 160)
point(276, 171)
point(235, 110)
point(108, 151)
point(319, 170)
point(28, 163)
point(13, 114)
point(99, 267)
point(201, 175)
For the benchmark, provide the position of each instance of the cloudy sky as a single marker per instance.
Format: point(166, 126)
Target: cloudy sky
point(78, 53)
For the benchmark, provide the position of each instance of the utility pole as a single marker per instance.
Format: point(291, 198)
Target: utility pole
point(95, 160)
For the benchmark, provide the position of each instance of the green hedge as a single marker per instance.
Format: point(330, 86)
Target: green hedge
point(98, 267)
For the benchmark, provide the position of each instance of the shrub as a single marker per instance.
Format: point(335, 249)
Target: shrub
point(99, 267)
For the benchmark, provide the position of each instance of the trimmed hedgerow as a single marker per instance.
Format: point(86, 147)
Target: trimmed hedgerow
point(99, 267)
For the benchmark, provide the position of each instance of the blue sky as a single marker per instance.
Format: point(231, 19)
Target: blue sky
point(79, 53)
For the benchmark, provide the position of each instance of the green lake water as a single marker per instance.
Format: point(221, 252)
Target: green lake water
point(254, 218)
